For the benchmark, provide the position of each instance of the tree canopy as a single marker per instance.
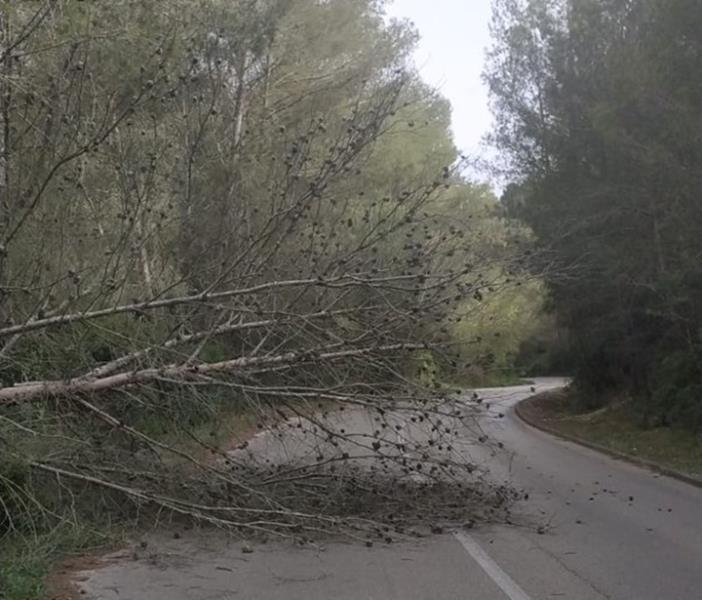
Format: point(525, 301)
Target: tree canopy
point(597, 105)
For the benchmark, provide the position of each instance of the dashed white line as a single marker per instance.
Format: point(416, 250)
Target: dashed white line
point(501, 579)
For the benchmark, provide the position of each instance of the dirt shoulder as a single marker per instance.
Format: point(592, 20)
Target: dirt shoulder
point(673, 452)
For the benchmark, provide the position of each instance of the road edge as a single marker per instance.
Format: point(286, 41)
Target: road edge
point(634, 460)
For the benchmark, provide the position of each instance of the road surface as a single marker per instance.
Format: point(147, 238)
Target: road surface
point(609, 530)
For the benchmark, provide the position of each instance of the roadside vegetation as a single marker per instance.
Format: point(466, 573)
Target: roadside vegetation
point(214, 216)
point(598, 106)
point(612, 426)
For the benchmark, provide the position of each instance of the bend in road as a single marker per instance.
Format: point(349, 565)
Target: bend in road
point(609, 530)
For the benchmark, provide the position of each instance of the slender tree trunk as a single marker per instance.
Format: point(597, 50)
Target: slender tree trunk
point(239, 106)
point(5, 99)
point(657, 243)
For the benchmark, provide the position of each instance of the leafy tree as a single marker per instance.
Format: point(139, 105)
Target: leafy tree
point(597, 108)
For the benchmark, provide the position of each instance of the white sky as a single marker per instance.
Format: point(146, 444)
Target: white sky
point(450, 57)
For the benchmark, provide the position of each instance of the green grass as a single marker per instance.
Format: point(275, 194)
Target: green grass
point(25, 560)
point(615, 427)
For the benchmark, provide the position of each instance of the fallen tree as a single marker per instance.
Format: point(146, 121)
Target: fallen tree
point(207, 223)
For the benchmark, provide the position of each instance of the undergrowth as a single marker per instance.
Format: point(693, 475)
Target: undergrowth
point(25, 559)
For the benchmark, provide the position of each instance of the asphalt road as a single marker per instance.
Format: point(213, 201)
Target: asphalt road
point(609, 530)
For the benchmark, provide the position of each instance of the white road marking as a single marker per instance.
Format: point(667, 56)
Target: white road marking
point(501, 579)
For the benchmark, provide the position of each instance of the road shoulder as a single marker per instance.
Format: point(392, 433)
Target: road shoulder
point(540, 411)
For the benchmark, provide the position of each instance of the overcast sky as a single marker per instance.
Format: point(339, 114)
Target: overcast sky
point(450, 57)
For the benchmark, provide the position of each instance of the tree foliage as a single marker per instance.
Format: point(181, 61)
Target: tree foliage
point(597, 104)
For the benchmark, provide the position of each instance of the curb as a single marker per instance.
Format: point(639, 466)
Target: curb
point(634, 460)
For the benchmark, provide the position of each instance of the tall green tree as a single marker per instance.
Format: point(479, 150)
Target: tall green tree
point(598, 113)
